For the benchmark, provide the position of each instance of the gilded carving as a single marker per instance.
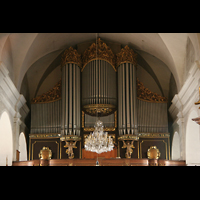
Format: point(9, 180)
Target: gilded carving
point(129, 148)
point(71, 56)
point(153, 153)
point(99, 109)
point(91, 129)
point(52, 95)
point(128, 141)
point(45, 153)
point(70, 143)
point(126, 55)
point(145, 94)
point(98, 51)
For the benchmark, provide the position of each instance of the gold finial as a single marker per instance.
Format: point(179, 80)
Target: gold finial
point(126, 55)
point(71, 56)
point(98, 50)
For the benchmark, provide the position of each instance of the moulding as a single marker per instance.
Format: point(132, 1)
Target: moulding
point(9, 95)
point(188, 94)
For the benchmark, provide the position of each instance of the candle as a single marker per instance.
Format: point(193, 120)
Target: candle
point(6, 160)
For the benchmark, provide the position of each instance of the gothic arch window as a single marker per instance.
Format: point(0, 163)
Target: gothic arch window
point(6, 140)
point(176, 146)
point(22, 147)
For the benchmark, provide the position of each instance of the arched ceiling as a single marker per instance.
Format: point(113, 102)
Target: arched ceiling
point(22, 51)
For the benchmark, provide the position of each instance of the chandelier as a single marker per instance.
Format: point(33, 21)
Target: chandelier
point(99, 141)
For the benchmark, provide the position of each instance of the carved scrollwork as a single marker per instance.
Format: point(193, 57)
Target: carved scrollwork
point(71, 56)
point(126, 55)
point(145, 94)
point(52, 95)
point(98, 51)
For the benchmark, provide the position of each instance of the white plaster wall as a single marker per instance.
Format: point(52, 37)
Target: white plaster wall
point(183, 110)
point(10, 102)
point(176, 147)
point(22, 147)
point(192, 139)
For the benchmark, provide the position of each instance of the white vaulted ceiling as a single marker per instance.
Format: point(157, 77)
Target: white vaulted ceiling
point(35, 52)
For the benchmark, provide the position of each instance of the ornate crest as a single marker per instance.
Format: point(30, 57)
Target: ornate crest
point(145, 94)
point(71, 56)
point(126, 55)
point(98, 51)
point(153, 153)
point(52, 95)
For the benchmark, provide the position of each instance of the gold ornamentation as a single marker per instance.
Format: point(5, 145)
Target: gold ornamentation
point(128, 137)
point(129, 147)
point(99, 51)
point(50, 96)
point(71, 56)
point(146, 95)
point(70, 138)
point(105, 129)
point(153, 153)
point(99, 109)
point(126, 55)
point(45, 153)
point(154, 135)
point(127, 144)
point(44, 135)
point(70, 144)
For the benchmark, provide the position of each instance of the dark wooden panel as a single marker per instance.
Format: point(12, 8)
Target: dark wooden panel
point(160, 143)
point(38, 144)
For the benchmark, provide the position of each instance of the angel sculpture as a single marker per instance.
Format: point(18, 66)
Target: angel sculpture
point(70, 145)
point(129, 147)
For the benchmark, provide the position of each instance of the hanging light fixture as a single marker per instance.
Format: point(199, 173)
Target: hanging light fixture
point(98, 141)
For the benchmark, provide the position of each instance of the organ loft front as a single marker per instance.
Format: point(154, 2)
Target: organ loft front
point(100, 81)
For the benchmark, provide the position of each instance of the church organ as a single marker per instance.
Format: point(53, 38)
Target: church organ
point(98, 83)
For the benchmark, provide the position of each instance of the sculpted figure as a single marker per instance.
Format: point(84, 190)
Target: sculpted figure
point(129, 147)
point(70, 145)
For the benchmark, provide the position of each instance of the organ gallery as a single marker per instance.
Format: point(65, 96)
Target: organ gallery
point(99, 82)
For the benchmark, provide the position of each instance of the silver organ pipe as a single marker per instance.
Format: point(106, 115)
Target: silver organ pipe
point(101, 83)
point(71, 103)
point(127, 102)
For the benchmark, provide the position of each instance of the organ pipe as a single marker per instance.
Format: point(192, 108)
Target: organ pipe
point(70, 100)
point(127, 106)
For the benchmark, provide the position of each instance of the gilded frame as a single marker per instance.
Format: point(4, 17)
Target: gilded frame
point(91, 129)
